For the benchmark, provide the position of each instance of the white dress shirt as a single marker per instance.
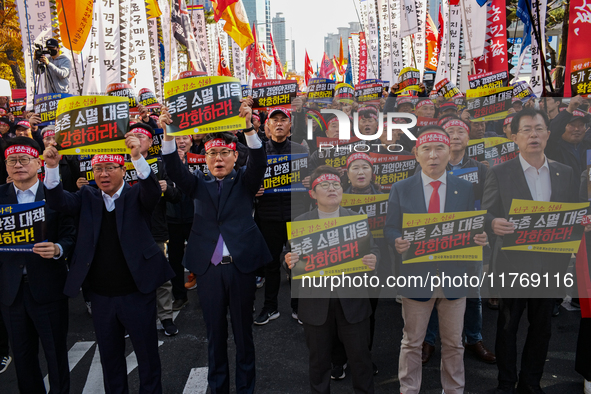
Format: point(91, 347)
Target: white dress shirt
point(52, 179)
point(253, 141)
point(27, 196)
point(538, 181)
point(428, 189)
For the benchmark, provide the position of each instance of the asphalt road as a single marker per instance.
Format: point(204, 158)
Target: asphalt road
point(282, 365)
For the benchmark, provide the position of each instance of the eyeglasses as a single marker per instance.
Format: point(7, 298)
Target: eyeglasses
point(528, 130)
point(107, 169)
point(24, 160)
point(224, 154)
point(326, 185)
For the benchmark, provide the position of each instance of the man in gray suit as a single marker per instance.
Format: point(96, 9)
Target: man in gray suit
point(530, 176)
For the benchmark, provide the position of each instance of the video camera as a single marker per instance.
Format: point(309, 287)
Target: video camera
point(40, 52)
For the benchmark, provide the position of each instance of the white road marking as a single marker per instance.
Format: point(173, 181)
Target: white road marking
point(197, 382)
point(94, 381)
point(75, 354)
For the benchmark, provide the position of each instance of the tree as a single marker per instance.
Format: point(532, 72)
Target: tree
point(11, 45)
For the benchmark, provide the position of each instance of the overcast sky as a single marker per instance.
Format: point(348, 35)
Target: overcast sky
point(308, 21)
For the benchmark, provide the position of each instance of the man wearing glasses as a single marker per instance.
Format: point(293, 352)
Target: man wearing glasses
point(274, 210)
point(530, 176)
point(33, 304)
point(225, 247)
point(118, 259)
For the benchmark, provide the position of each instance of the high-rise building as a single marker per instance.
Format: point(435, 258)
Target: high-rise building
point(279, 36)
point(332, 41)
point(293, 66)
point(255, 11)
point(268, 26)
point(433, 9)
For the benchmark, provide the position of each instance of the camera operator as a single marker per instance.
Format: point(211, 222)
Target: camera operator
point(55, 67)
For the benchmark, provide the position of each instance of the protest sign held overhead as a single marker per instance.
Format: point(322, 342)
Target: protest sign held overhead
point(268, 93)
point(46, 106)
point(92, 125)
point(321, 90)
point(204, 105)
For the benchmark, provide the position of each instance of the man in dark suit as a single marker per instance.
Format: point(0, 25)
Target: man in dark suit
point(530, 176)
point(225, 247)
point(431, 191)
point(118, 258)
point(331, 318)
point(34, 306)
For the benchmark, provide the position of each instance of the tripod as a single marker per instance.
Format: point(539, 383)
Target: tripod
point(42, 70)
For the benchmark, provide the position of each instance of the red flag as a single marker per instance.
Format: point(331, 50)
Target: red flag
point(432, 38)
point(327, 67)
point(254, 61)
point(579, 31)
point(583, 279)
point(308, 70)
point(497, 33)
point(220, 6)
point(223, 69)
point(341, 57)
point(278, 67)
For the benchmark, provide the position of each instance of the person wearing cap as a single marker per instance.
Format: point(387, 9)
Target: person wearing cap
point(446, 109)
point(159, 226)
point(391, 101)
point(225, 247)
point(23, 129)
point(432, 190)
point(530, 176)
point(330, 317)
point(405, 104)
point(69, 165)
point(274, 210)
point(56, 69)
point(6, 128)
point(458, 132)
point(567, 143)
point(117, 257)
point(516, 104)
point(32, 300)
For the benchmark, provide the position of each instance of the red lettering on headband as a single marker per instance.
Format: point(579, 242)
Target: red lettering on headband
point(456, 122)
point(115, 159)
point(16, 149)
point(358, 156)
point(49, 133)
point(432, 137)
point(219, 143)
point(325, 177)
point(424, 102)
point(141, 130)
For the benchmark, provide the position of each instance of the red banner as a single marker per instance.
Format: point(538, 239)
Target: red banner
point(362, 56)
point(579, 31)
point(497, 33)
point(432, 39)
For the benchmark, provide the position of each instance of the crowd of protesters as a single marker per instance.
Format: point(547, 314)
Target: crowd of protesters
point(127, 247)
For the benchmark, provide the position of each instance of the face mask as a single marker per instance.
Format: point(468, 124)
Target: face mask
point(53, 52)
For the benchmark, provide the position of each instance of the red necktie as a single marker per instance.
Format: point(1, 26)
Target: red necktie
point(434, 201)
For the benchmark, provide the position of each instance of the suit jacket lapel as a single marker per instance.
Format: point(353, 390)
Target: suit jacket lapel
point(517, 176)
point(212, 187)
point(555, 181)
point(10, 195)
point(228, 183)
point(418, 202)
point(97, 213)
point(40, 196)
point(450, 191)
